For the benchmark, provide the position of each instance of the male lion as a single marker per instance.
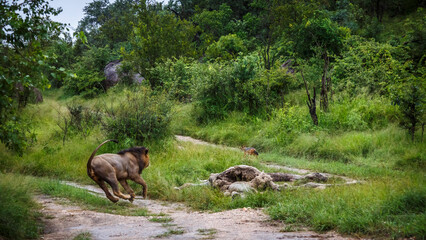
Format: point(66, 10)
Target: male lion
point(114, 168)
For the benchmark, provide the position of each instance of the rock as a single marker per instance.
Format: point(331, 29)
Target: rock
point(240, 187)
point(241, 179)
point(284, 177)
point(288, 65)
point(316, 177)
point(27, 94)
point(112, 76)
point(111, 73)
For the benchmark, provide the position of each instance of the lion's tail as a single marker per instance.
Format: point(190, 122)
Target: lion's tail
point(89, 162)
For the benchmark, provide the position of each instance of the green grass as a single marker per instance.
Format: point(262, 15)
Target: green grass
point(86, 200)
point(83, 236)
point(18, 213)
point(389, 202)
point(170, 232)
point(377, 208)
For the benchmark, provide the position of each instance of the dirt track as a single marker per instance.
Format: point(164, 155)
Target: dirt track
point(64, 221)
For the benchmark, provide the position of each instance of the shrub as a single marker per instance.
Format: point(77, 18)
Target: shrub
point(89, 72)
point(175, 77)
point(221, 88)
point(84, 83)
point(141, 116)
point(17, 134)
point(369, 65)
point(211, 91)
point(228, 47)
point(359, 113)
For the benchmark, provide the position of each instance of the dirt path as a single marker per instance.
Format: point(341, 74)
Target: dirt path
point(64, 221)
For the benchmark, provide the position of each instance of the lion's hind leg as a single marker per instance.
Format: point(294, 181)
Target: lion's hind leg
point(113, 182)
point(102, 184)
point(128, 189)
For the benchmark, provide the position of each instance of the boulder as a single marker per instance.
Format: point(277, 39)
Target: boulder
point(112, 76)
point(288, 65)
point(241, 179)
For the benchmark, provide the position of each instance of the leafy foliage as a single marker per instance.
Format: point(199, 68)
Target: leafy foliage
point(228, 47)
point(369, 66)
point(141, 116)
point(89, 75)
point(220, 88)
point(175, 76)
point(25, 27)
point(157, 37)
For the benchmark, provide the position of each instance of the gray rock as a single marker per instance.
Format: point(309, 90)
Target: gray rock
point(240, 187)
point(112, 76)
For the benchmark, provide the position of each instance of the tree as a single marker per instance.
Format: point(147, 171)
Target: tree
point(319, 36)
point(158, 35)
point(410, 97)
point(25, 27)
point(213, 24)
point(311, 102)
point(108, 24)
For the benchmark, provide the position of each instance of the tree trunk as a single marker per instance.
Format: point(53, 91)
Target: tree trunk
point(330, 89)
point(282, 98)
point(413, 120)
point(311, 103)
point(324, 98)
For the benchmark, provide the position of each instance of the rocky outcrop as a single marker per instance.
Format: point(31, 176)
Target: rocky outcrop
point(113, 76)
point(241, 179)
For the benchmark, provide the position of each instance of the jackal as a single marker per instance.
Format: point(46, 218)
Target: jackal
point(249, 151)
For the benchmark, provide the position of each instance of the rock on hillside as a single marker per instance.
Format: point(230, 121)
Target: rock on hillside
point(112, 76)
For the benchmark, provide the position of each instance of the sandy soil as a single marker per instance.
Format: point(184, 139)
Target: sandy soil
point(64, 221)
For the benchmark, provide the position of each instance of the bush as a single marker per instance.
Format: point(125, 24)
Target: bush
point(89, 74)
point(369, 65)
point(211, 91)
point(228, 47)
point(141, 116)
point(17, 134)
point(85, 83)
point(175, 77)
point(359, 113)
point(221, 88)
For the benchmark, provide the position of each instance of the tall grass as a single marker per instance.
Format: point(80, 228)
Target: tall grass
point(378, 208)
point(18, 212)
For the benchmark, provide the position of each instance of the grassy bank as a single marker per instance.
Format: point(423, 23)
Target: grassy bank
point(389, 202)
point(19, 214)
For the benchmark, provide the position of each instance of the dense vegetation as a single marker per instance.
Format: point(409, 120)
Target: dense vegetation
point(332, 86)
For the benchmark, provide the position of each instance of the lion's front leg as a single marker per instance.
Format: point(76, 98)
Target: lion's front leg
point(139, 179)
